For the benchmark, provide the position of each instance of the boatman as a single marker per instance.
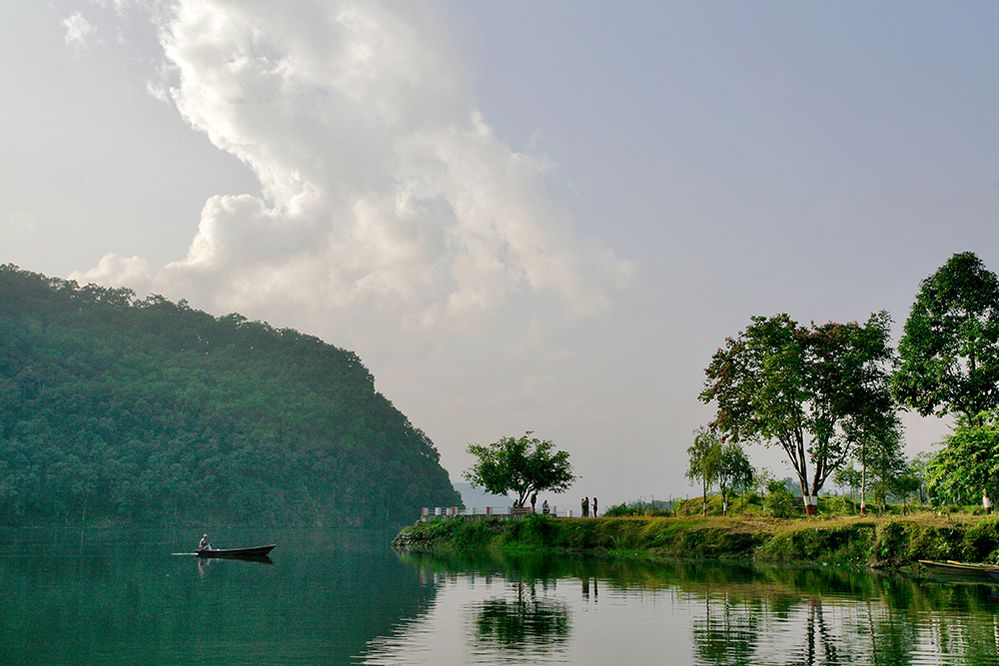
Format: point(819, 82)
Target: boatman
point(203, 544)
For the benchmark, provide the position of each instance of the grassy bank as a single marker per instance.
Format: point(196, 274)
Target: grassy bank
point(893, 541)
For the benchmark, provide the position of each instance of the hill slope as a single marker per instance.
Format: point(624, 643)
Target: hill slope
point(147, 411)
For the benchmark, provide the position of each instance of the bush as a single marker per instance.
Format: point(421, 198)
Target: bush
point(780, 503)
point(637, 509)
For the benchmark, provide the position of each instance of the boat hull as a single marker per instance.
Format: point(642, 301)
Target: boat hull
point(961, 569)
point(257, 552)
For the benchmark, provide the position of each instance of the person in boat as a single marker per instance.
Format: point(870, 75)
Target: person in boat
point(203, 544)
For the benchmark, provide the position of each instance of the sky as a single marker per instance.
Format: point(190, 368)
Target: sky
point(522, 216)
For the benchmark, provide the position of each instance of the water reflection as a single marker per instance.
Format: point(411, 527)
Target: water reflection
point(730, 613)
point(122, 597)
point(205, 562)
point(526, 620)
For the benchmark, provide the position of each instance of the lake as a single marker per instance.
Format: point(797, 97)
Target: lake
point(340, 597)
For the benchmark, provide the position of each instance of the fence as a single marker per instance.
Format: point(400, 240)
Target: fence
point(437, 512)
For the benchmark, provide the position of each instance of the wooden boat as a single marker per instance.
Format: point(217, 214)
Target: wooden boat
point(965, 569)
point(255, 553)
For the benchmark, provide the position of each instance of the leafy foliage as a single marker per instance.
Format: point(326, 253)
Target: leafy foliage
point(950, 346)
point(640, 508)
point(806, 389)
point(522, 465)
point(734, 471)
point(779, 501)
point(968, 464)
point(704, 460)
point(712, 462)
point(129, 410)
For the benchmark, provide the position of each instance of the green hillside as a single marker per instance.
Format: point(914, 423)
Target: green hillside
point(115, 409)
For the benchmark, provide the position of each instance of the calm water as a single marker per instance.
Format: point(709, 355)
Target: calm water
point(344, 597)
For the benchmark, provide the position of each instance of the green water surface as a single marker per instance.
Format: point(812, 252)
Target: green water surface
point(342, 597)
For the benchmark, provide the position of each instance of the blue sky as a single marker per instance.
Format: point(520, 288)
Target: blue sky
point(521, 215)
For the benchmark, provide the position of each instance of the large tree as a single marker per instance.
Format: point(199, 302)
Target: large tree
point(799, 387)
point(950, 347)
point(522, 465)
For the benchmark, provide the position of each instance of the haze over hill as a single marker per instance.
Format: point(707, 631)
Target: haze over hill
point(116, 409)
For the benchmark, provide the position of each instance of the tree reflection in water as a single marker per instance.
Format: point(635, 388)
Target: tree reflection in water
point(537, 623)
point(741, 614)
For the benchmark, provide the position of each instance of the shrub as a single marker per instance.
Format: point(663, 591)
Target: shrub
point(780, 503)
point(637, 509)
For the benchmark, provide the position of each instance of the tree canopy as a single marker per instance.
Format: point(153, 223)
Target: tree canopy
point(522, 465)
point(703, 462)
point(148, 411)
point(968, 466)
point(804, 388)
point(734, 471)
point(710, 461)
point(950, 347)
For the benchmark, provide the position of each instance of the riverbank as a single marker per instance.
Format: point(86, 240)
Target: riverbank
point(879, 542)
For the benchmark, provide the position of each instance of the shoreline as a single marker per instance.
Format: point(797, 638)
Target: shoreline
point(877, 542)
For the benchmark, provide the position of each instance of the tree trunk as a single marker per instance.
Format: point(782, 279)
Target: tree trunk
point(806, 498)
point(863, 478)
point(800, 465)
point(704, 498)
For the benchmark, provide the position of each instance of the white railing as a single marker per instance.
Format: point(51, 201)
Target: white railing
point(428, 513)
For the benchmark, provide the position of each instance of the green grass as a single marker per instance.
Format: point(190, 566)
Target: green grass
point(879, 541)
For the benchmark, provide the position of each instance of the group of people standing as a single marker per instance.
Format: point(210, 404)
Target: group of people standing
point(586, 505)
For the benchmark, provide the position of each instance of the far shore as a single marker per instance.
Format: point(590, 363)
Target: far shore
point(879, 542)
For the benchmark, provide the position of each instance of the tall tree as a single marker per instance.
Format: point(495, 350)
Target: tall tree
point(950, 346)
point(799, 387)
point(704, 461)
point(522, 465)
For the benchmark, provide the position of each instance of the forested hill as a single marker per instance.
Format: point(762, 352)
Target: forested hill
point(116, 409)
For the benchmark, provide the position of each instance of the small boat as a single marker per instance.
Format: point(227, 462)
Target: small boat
point(255, 553)
point(965, 569)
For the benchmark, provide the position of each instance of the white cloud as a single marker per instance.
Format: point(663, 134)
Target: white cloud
point(112, 270)
point(78, 31)
point(381, 183)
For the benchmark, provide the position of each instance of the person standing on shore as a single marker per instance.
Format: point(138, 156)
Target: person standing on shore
point(594, 507)
point(584, 507)
point(534, 500)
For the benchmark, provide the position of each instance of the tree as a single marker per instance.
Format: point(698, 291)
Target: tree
point(969, 461)
point(877, 434)
point(799, 387)
point(887, 467)
point(950, 345)
point(907, 483)
point(704, 461)
point(848, 477)
point(521, 465)
point(734, 471)
point(920, 469)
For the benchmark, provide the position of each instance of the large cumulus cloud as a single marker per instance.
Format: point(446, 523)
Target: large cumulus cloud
point(380, 182)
